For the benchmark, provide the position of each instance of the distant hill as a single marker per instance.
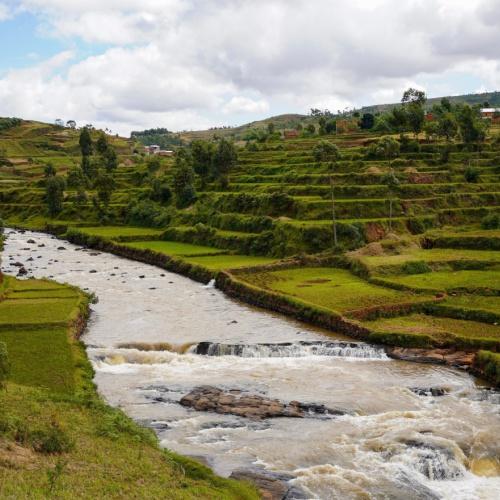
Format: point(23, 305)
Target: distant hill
point(492, 98)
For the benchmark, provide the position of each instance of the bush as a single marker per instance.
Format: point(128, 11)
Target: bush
point(491, 221)
point(50, 441)
point(416, 267)
point(471, 174)
point(4, 364)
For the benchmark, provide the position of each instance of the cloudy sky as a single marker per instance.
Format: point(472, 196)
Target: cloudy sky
point(190, 64)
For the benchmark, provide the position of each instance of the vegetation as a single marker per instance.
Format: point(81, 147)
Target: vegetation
point(408, 192)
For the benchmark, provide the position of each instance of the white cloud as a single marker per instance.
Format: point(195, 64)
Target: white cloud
point(188, 63)
point(241, 104)
point(5, 12)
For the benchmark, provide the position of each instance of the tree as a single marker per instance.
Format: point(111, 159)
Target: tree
point(85, 142)
point(202, 153)
point(75, 178)
point(367, 121)
point(185, 193)
point(392, 183)
point(325, 150)
point(472, 128)
point(447, 125)
point(101, 144)
point(225, 158)
point(330, 126)
point(160, 190)
point(271, 128)
point(104, 184)
point(310, 129)
point(153, 164)
point(54, 194)
point(110, 159)
point(386, 148)
point(49, 170)
point(412, 95)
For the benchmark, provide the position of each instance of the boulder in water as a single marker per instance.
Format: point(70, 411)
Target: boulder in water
point(31, 241)
point(209, 398)
point(22, 271)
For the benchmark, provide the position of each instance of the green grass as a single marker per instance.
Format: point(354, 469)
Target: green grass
point(36, 310)
point(451, 280)
point(41, 357)
point(431, 255)
point(335, 289)
point(468, 301)
point(117, 231)
point(218, 262)
point(175, 248)
point(422, 324)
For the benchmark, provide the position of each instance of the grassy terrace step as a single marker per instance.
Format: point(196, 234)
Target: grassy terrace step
point(481, 282)
point(439, 329)
point(117, 232)
point(335, 289)
point(176, 248)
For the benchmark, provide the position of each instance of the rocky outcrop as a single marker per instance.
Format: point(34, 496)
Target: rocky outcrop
point(458, 359)
point(271, 485)
point(209, 398)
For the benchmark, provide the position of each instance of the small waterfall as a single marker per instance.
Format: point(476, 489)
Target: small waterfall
point(210, 284)
point(291, 350)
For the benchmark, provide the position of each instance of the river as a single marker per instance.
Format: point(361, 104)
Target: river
point(392, 443)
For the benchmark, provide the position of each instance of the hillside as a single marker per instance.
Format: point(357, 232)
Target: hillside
point(420, 227)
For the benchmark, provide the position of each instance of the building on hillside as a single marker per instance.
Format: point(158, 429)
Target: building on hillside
point(154, 149)
point(290, 134)
point(429, 117)
point(71, 124)
point(489, 112)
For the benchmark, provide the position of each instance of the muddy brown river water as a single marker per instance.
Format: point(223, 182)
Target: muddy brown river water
point(392, 443)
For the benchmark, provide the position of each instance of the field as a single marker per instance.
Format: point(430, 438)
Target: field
point(120, 231)
point(218, 262)
point(57, 437)
point(335, 289)
point(175, 248)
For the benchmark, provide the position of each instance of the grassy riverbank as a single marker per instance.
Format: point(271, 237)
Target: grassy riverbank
point(57, 437)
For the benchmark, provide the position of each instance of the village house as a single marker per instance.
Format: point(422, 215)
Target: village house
point(290, 134)
point(490, 112)
point(154, 149)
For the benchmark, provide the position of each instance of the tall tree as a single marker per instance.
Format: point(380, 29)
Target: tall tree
point(225, 158)
point(85, 142)
point(104, 185)
point(185, 193)
point(203, 153)
point(101, 144)
point(54, 194)
point(367, 121)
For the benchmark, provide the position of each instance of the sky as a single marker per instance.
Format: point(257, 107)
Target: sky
point(193, 64)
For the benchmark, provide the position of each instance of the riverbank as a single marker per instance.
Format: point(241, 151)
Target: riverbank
point(57, 436)
point(380, 302)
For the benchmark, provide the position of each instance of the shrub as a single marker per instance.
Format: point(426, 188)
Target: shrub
point(4, 364)
point(471, 174)
point(491, 221)
point(416, 267)
point(50, 441)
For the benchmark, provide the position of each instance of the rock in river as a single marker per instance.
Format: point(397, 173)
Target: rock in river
point(209, 398)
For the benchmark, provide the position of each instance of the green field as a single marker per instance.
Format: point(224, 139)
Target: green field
point(218, 262)
point(487, 281)
point(175, 248)
point(422, 324)
point(335, 289)
point(117, 231)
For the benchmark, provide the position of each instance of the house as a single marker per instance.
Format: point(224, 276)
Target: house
point(429, 116)
point(290, 134)
point(154, 149)
point(490, 112)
